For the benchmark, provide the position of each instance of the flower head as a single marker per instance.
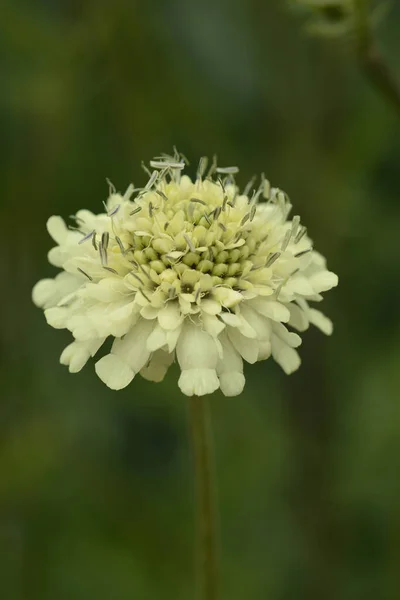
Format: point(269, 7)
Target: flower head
point(188, 270)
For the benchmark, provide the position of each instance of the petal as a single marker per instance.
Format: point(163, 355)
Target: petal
point(114, 372)
point(132, 349)
point(170, 317)
point(270, 308)
point(246, 347)
point(57, 229)
point(198, 382)
point(298, 317)
point(289, 337)
point(285, 356)
point(321, 321)
point(261, 325)
point(158, 366)
point(323, 281)
point(196, 349)
point(157, 339)
point(230, 370)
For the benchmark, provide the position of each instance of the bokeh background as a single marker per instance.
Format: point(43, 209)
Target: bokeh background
point(96, 487)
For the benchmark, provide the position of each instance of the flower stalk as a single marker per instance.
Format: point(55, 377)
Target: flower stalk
point(371, 60)
point(206, 558)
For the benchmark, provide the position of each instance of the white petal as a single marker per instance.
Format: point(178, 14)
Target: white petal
point(57, 317)
point(57, 229)
point(109, 289)
point(114, 372)
point(260, 324)
point(321, 321)
point(77, 354)
point(42, 292)
point(231, 319)
point(196, 349)
point(198, 382)
point(158, 366)
point(230, 370)
point(285, 356)
point(264, 351)
point(298, 317)
point(132, 349)
point(298, 284)
point(157, 339)
point(271, 309)
point(323, 281)
point(211, 307)
point(172, 338)
point(149, 312)
point(212, 325)
point(290, 338)
point(232, 384)
point(170, 316)
point(246, 347)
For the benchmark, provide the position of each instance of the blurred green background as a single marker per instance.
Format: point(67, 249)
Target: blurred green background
point(96, 487)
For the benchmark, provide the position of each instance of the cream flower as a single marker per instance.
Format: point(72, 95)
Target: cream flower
point(188, 270)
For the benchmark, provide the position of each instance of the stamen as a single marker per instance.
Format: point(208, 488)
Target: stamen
point(245, 219)
point(272, 258)
point(303, 252)
point(227, 170)
point(94, 242)
point(253, 212)
point(205, 215)
point(198, 201)
point(152, 180)
point(114, 210)
point(86, 275)
point(222, 226)
point(105, 237)
point(249, 186)
point(189, 243)
point(216, 212)
point(163, 196)
point(111, 270)
point(137, 277)
point(202, 167)
point(286, 240)
point(300, 234)
point(167, 164)
point(141, 267)
point(147, 298)
point(86, 237)
point(213, 167)
point(120, 244)
point(136, 210)
point(295, 225)
point(111, 187)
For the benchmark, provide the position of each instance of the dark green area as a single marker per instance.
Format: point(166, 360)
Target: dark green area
point(96, 490)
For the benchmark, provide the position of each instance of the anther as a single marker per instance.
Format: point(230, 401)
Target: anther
point(114, 210)
point(83, 273)
point(227, 170)
point(136, 210)
point(87, 237)
point(272, 258)
point(111, 270)
point(189, 243)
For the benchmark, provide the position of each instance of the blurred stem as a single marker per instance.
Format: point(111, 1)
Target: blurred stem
point(202, 450)
point(372, 62)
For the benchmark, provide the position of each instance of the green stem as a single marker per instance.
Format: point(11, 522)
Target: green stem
point(202, 451)
point(372, 62)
